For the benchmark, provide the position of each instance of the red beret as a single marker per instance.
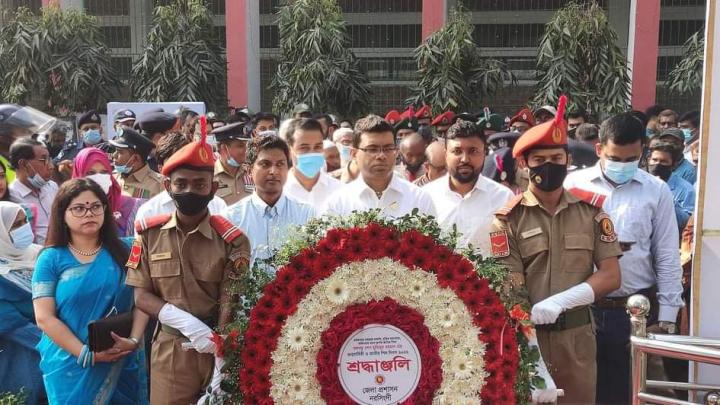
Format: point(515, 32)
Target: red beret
point(423, 112)
point(409, 113)
point(445, 118)
point(392, 117)
point(197, 154)
point(549, 134)
point(524, 115)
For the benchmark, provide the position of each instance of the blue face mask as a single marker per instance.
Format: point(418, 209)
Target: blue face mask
point(22, 237)
point(92, 137)
point(310, 164)
point(687, 133)
point(345, 152)
point(232, 162)
point(122, 169)
point(649, 132)
point(620, 172)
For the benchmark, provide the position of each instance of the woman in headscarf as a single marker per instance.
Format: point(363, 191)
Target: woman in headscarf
point(19, 360)
point(92, 163)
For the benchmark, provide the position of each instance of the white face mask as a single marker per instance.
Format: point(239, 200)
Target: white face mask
point(103, 180)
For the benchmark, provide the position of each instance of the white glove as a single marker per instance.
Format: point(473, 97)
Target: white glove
point(548, 310)
point(550, 392)
point(192, 328)
point(214, 387)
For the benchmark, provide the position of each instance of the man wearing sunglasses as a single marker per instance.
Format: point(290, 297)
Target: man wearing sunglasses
point(377, 187)
point(33, 167)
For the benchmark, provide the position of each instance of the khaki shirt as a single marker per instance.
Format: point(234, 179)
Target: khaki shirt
point(143, 183)
point(553, 252)
point(189, 270)
point(230, 188)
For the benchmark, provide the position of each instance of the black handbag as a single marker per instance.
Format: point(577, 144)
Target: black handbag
point(99, 338)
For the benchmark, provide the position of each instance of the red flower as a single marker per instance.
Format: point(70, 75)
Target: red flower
point(219, 347)
point(519, 314)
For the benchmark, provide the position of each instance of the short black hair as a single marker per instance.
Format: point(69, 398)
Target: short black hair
point(654, 110)
point(578, 114)
point(264, 116)
point(371, 124)
point(22, 149)
point(306, 124)
point(622, 129)
point(692, 116)
point(168, 145)
point(587, 132)
point(465, 129)
point(675, 152)
point(267, 143)
point(641, 116)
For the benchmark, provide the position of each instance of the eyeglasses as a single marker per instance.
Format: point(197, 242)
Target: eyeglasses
point(46, 161)
point(79, 211)
point(376, 150)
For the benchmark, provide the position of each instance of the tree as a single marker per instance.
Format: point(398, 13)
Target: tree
point(58, 57)
point(687, 75)
point(317, 66)
point(183, 60)
point(452, 73)
point(578, 56)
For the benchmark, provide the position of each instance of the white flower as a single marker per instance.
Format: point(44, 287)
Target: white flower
point(462, 367)
point(337, 291)
point(448, 319)
point(297, 339)
point(296, 389)
point(417, 289)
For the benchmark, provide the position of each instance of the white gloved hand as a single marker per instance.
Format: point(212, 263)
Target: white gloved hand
point(548, 310)
point(550, 392)
point(192, 328)
point(213, 390)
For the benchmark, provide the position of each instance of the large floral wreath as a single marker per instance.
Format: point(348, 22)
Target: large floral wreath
point(337, 275)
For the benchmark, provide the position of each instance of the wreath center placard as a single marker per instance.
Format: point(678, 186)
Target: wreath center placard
point(379, 364)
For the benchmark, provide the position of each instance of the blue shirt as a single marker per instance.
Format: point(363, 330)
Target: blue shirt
point(684, 198)
point(643, 213)
point(267, 227)
point(687, 171)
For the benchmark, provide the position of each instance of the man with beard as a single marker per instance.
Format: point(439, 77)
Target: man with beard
point(549, 239)
point(187, 292)
point(464, 198)
point(412, 156)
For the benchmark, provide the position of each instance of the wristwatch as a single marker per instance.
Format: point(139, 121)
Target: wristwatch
point(668, 327)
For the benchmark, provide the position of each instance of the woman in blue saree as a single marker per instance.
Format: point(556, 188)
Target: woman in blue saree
point(79, 278)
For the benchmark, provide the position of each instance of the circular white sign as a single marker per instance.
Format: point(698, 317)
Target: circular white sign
point(379, 364)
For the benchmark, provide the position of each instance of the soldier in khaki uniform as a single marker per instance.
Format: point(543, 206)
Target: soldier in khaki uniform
point(230, 173)
point(187, 292)
point(549, 239)
point(135, 177)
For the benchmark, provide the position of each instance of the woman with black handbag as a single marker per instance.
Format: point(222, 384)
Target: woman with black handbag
point(78, 280)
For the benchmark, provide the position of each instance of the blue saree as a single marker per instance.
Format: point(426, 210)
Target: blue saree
point(84, 293)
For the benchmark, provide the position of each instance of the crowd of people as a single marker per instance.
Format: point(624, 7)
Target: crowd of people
point(157, 220)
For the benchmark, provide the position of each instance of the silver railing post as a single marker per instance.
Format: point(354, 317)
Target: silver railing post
point(712, 398)
point(638, 307)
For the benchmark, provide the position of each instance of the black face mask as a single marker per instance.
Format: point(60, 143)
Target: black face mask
point(190, 203)
point(548, 176)
point(661, 171)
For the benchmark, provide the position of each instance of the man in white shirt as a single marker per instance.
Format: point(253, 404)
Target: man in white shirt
point(32, 185)
point(464, 198)
point(641, 207)
point(268, 214)
point(378, 187)
point(307, 182)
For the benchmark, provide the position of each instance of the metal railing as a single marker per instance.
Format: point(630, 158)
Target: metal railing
point(678, 347)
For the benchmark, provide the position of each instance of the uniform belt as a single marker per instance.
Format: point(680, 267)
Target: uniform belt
point(621, 302)
point(568, 320)
point(210, 322)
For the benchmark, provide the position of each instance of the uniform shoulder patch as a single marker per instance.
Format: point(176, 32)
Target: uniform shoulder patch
point(505, 210)
point(594, 199)
point(225, 228)
point(500, 244)
point(143, 224)
point(135, 253)
point(607, 228)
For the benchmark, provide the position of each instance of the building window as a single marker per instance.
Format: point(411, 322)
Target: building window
point(123, 66)
point(523, 5)
point(117, 37)
point(220, 35)
point(269, 36)
point(374, 6)
point(676, 32)
point(33, 5)
point(385, 36)
point(107, 7)
point(269, 6)
point(389, 69)
point(508, 35)
point(682, 3)
point(217, 7)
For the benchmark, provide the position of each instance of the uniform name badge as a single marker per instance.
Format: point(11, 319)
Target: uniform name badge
point(500, 244)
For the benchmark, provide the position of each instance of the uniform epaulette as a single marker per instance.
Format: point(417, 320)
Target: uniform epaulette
point(225, 228)
point(505, 210)
point(143, 224)
point(594, 199)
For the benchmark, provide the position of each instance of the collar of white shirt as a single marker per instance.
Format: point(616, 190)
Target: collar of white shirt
point(292, 181)
point(481, 184)
point(22, 190)
point(595, 173)
point(262, 206)
point(361, 186)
